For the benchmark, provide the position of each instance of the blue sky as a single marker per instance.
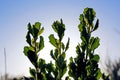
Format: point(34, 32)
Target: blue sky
point(16, 14)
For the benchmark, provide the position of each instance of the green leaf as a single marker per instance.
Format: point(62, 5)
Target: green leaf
point(63, 46)
point(35, 32)
point(72, 68)
point(52, 55)
point(83, 44)
point(26, 49)
point(42, 65)
point(32, 72)
point(99, 74)
point(96, 58)
point(64, 70)
point(59, 28)
point(71, 74)
point(38, 25)
point(30, 28)
point(67, 45)
point(92, 40)
point(55, 73)
point(89, 15)
point(84, 33)
point(81, 18)
point(96, 25)
point(63, 55)
point(82, 24)
point(60, 61)
point(41, 31)
point(56, 53)
point(28, 38)
point(32, 57)
point(52, 40)
point(41, 43)
point(55, 26)
point(71, 59)
point(95, 43)
point(50, 67)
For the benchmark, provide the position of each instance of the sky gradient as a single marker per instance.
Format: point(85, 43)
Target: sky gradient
point(16, 14)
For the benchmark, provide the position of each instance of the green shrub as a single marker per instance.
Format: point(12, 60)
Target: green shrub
point(59, 53)
point(83, 67)
point(36, 44)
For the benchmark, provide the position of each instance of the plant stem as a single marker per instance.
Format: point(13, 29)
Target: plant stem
point(59, 70)
point(36, 76)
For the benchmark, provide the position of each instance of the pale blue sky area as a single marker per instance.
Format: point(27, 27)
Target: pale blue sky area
point(16, 14)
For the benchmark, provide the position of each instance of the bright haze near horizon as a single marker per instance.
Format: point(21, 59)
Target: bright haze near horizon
point(16, 14)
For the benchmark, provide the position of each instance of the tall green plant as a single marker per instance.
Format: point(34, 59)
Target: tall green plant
point(35, 45)
point(85, 65)
point(59, 53)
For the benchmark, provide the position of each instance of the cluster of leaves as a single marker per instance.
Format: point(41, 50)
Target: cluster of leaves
point(42, 70)
point(58, 55)
point(83, 67)
point(36, 44)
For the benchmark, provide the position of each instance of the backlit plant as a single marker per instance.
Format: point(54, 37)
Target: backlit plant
point(83, 67)
point(59, 53)
point(36, 44)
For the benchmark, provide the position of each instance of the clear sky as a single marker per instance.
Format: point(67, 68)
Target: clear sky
point(16, 14)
